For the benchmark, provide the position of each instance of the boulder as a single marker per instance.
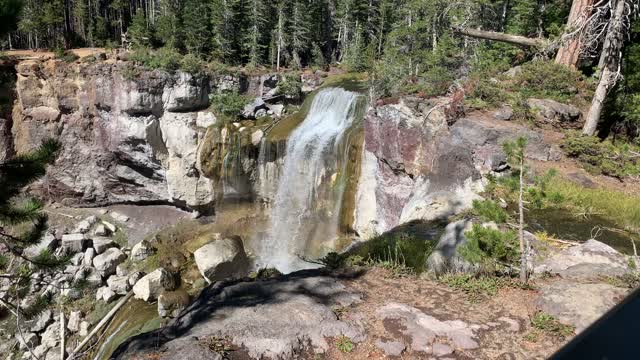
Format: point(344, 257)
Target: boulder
point(504, 113)
point(391, 347)
point(51, 335)
point(93, 277)
point(74, 321)
point(222, 259)
point(77, 259)
point(118, 284)
point(552, 110)
point(100, 244)
point(444, 257)
point(85, 225)
point(578, 304)
point(119, 217)
point(587, 261)
point(133, 278)
point(71, 293)
point(73, 243)
point(250, 109)
point(30, 340)
point(106, 262)
point(101, 230)
point(109, 226)
point(105, 294)
point(142, 250)
point(122, 271)
point(149, 287)
point(256, 137)
point(170, 303)
point(84, 329)
point(44, 319)
point(277, 109)
point(89, 254)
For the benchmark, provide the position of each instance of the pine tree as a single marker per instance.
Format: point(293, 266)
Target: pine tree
point(252, 44)
point(198, 37)
point(22, 222)
point(224, 26)
point(139, 34)
point(299, 30)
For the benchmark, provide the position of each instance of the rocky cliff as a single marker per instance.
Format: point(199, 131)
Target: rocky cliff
point(422, 163)
point(127, 135)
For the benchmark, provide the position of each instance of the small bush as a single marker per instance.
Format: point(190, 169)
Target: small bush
point(64, 55)
point(475, 287)
point(551, 326)
point(490, 248)
point(290, 86)
point(192, 64)
point(227, 104)
point(400, 252)
point(344, 344)
point(546, 79)
point(489, 210)
point(166, 58)
point(603, 156)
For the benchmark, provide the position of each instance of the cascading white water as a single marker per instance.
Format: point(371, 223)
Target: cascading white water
point(311, 159)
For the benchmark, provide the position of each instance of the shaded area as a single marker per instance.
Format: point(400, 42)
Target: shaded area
point(221, 310)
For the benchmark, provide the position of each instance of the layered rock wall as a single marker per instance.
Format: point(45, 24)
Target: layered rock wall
point(127, 135)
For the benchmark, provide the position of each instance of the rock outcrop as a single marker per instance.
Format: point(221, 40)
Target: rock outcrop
point(419, 163)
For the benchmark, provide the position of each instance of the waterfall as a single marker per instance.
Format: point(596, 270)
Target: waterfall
point(307, 202)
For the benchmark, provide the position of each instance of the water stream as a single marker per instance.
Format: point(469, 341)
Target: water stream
point(307, 201)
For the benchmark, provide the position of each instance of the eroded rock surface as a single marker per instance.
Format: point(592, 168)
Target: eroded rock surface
point(269, 319)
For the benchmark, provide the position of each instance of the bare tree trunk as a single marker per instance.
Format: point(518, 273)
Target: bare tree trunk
point(62, 326)
point(609, 67)
point(524, 248)
point(569, 53)
point(497, 36)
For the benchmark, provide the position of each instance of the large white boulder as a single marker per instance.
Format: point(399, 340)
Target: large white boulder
point(142, 250)
point(106, 262)
point(152, 285)
point(221, 259)
point(73, 243)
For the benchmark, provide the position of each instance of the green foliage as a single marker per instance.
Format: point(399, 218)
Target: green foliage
point(165, 58)
point(344, 344)
point(625, 106)
point(551, 326)
point(490, 248)
point(65, 55)
point(192, 64)
point(397, 251)
point(617, 160)
point(227, 105)
point(475, 287)
point(197, 36)
point(130, 72)
point(139, 33)
point(290, 86)
point(489, 210)
point(9, 11)
point(546, 79)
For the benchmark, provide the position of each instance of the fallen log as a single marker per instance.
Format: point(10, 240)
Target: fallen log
point(502, 37)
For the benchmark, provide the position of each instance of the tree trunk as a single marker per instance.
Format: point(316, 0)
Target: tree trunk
point(609, 62)
point(497, 36)
point(524, 274)
point(569, 53)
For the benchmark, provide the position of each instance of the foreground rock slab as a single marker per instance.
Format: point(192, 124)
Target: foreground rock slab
point(270, 319)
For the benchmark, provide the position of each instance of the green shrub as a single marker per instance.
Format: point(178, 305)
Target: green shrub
point(398, 251)
point(344, 344)
point(227, 105)
point(130, 72)
point(603, 156)
point(546, 79)
point(192, 64)
point(166, 58)
point(475, 287)
point(490, 248)
point(64, 55)
point(290, 86)
point(550, 325)
point(489, 210)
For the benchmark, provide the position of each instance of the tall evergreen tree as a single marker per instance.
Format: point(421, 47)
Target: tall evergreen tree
point(252, 42)
point(196, 17)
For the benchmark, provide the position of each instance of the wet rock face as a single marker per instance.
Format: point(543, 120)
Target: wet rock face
point(122, 139)
point(418, 164)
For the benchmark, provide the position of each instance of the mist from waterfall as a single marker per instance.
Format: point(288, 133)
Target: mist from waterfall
point(307, 202)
